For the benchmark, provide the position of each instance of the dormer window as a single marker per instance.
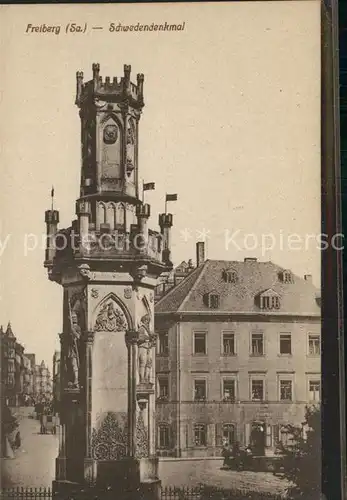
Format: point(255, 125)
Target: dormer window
point(287, 277)
point(230, 276)
point(212, 300)
point(269, 300)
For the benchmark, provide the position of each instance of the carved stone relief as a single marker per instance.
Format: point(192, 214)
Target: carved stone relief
point(130, 161)
point(72, 337)
point(146, 341)
point(110, 133)
point(109, 439)
point(141, 438)
point(110, 318)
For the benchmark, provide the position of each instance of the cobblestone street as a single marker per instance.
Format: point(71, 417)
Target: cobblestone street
point(209, 472)
point(34, 466)
point(34, 462)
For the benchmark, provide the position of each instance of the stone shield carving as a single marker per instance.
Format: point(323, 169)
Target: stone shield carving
point(110, 134)
point(110, 318)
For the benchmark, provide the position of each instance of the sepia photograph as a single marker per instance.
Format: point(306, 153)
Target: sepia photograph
point(160, 251)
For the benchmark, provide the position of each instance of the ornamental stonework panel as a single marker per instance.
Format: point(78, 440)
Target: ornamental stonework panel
point(141, 438)
point(109, 438)
point(110, 318)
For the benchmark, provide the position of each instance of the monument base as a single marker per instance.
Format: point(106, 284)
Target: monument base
point(60, 468)
point(63, 489)
point(126, 479)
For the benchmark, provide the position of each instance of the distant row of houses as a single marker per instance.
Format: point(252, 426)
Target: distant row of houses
point(23, 382)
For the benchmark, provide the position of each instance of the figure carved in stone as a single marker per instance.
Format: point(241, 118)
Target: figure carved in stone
point(145, 344)
point(131, 132)
point(110, 319)
point(72, 353)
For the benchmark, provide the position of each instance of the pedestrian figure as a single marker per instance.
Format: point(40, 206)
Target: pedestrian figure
point(17, 440)
point(248, 456)
point(236, 454)
point(225, 452)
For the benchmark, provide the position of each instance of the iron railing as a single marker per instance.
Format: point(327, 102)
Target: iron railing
point(167, 493)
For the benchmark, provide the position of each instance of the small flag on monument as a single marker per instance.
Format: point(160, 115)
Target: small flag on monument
point(171, 197)
point(52, 192)
point(149, 186)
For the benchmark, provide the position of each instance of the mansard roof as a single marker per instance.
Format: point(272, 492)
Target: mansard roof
point(254, 278)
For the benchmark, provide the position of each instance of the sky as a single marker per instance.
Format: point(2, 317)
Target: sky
point(231, 124)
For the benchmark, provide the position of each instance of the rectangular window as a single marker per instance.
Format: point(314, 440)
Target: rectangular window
point(199, 343)
point(314, 390)
point(286, 390)
point(164, 436)
point(163, 388)
point(199, 390)
point(163, 343)
point(228, 344)
point(199, 435)
point(257, 344)
point(229, 434)
point(314, 345)
point(10, 366)
point(10, 381)
point(285, 343)
point(270, 302)
point(229, 393)
point(257, 390)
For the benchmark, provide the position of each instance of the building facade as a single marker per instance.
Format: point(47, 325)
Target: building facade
point(17, 370)
point(8, 365)
point(43, 386)
point(238, 357)
point(28, 380)
point(56, 387)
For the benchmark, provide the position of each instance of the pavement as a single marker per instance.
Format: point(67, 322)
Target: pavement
point(210, 472)
point(34, 466)
point(34, 462)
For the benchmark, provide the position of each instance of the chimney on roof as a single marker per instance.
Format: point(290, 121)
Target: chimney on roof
point(308, 277)
point(200, 253)
point(250, 259)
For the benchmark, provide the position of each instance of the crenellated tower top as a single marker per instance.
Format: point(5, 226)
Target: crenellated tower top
point(109, 206)
point(115, 90)
point(110, 111)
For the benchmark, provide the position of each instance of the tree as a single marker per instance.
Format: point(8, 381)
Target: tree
point(8, 421)
point(8, 424)
point(302, 456)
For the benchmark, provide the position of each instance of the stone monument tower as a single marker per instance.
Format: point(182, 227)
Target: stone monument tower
point(107, 263)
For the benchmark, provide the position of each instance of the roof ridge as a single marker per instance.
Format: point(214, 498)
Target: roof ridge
point(202, 268)
point(177, 287)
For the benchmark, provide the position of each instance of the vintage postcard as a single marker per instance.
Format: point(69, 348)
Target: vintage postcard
point(161, 251)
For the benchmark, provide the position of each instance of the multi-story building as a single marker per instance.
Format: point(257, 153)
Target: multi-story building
point(56, 381)
point(8, 364)
point(238, 356)
point(21, 378)
point(19, 374)
point(43, 383)
point(28, 385)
